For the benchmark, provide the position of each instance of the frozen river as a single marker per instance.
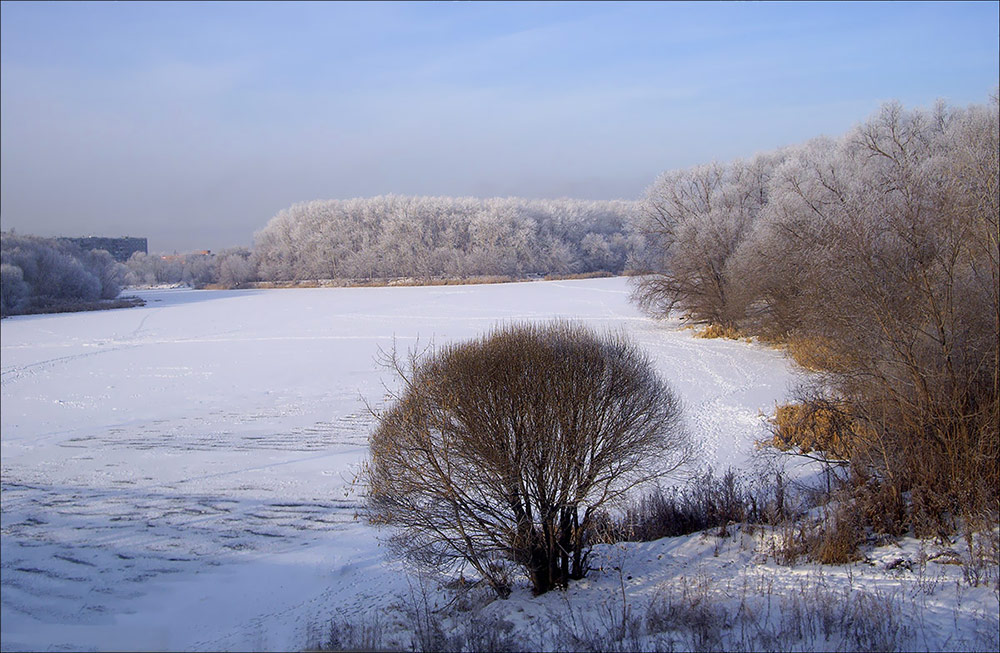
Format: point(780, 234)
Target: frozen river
point(178, 476)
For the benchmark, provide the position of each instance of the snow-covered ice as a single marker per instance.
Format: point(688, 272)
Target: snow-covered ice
point(179, 476)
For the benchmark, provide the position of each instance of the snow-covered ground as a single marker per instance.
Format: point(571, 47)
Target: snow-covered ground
point(178, 476)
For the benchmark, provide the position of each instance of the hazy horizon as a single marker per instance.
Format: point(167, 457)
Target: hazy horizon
point(192, 124)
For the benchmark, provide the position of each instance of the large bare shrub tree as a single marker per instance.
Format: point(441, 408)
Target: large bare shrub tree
point(502, 451)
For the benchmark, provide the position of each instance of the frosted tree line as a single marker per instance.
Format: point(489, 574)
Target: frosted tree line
point(391, 236)
point(53, 274)
point(425, 237)
point(874, 257)
point(229, 268)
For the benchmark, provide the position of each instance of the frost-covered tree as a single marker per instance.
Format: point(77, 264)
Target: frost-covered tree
point(693, 222)
point(109, 272)
point(199, 270)
point(14, 291)
point(888, 274)
point(235, 267)
point(875, 256)
point(44, 273)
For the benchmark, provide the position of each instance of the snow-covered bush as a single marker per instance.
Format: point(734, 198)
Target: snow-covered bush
point(235, 267)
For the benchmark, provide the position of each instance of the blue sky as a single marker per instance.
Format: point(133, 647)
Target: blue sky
point(194, 123)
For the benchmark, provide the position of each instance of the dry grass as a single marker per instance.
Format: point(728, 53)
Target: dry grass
point(380, 283)
point(815, 354)
point(833, 539)
point(222, 286)
point(826, 427)
point(837, 543)
point(704, 502)
point(758, 612)
point(600, 274)
point(40, 306)
point(721, 331)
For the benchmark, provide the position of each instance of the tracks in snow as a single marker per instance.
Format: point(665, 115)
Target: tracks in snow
point(97, 543)
point(243, 435)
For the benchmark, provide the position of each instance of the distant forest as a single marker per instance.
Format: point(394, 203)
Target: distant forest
point(374, 239)
point(426, 237)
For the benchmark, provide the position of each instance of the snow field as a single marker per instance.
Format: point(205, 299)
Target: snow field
point(179, 476)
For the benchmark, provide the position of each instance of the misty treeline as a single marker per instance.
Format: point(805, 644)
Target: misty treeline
point(45, 273)
point(54, 274)
point(389, 237)
point(229, 268)
point(369, 239)
point(426, 237)
point(874, 256)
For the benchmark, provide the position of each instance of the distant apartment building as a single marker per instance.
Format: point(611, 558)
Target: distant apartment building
point(119, 248)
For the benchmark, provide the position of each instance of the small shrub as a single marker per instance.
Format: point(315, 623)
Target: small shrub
point(880, 504)
point(706, 501)
point(342, 635)
point(830, 540)
point(837, 542)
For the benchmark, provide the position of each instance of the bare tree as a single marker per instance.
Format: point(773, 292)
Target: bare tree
point(501, 451)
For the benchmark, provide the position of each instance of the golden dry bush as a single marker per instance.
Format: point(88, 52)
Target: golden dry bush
point(816, 353)
point(814, 426)
point(837, 542)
